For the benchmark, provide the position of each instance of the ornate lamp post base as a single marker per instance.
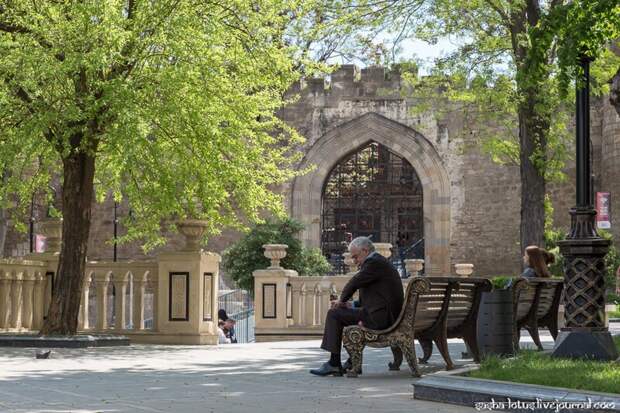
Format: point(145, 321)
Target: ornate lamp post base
point(586, 344)
point(585, 335)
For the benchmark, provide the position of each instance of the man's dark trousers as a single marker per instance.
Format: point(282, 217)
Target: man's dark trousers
point(336, 320)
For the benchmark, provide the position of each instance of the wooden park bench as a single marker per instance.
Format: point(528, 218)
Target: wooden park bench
point(435, 309)
point(535, 304)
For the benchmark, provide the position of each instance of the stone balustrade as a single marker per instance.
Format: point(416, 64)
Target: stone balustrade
point(293, 307)
point(177, 295)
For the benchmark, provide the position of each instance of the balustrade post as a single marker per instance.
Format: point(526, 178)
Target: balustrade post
point(102, 280)
point(270, 294)
point(187, 295)
point(84, 303)
point(5, 299)
point(39, 301)
point(153, 283)
point(27, 299)
point(138, 302)
point(120, 309)
point(16, 300)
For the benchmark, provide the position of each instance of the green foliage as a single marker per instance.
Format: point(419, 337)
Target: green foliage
point(500, 282)
point(586, 28)
point(612, 262)
point(246, 255)
point(176, 101)
point(534, 367)
point(312, 262)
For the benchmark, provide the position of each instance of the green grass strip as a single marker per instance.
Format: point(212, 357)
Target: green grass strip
point(533, 367)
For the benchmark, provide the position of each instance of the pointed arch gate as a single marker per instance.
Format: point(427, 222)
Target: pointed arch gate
point(372, 192)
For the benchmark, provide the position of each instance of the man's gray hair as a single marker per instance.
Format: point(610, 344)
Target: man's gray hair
point(363, 243)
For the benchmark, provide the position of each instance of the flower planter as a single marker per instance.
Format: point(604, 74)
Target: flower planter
point(495, 323)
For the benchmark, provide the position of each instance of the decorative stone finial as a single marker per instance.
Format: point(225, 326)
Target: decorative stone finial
point(192, 230)
point(414, 267)
point(383, 248)
point(464, 270)
point(349, 262)
point(51, 229)
point(275, 252)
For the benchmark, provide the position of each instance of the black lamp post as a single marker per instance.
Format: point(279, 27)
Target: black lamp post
point(585, 334)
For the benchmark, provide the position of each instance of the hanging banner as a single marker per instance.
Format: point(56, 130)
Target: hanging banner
point(603, 210)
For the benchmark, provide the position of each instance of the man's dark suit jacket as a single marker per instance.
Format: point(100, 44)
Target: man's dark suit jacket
point(381, 292)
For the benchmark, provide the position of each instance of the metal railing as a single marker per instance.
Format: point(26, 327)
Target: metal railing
point(239, 306)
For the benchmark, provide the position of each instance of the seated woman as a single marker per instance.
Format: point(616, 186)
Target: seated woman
point(536, 262)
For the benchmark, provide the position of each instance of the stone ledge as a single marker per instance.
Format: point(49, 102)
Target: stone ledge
point(77, 341)
point(466, 391)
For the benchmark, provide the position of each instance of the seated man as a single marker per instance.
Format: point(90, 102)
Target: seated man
point(381, 298)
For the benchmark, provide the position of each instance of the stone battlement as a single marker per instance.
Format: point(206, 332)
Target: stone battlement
point(349, 82)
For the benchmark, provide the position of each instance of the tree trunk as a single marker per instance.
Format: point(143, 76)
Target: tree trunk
point(533, 129)
point(4, 216)
point(77, 197)
point(614, 95)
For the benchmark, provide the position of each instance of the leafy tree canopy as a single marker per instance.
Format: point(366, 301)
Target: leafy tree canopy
point(174, 99)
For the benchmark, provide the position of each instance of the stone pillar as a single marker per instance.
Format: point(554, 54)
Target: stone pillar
point(270, 297)
point(187, 297)
point(84, 303)
point(138, 302)
point(39, 301)
point(27, 297)
point(120, 309)
point(102, 280)
point(16, 300)
point(5, 299)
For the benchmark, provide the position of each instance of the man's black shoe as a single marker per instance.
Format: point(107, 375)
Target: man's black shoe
point(348, 365)
point(327, 370)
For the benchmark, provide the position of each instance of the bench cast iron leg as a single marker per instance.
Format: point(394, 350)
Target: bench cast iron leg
point(534, 333)
point(427, 348)
point(409, 350)
point(354, 343)
point(398, 358)
point(442, 346)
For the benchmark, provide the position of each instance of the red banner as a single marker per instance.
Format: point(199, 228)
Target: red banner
point(603, 210)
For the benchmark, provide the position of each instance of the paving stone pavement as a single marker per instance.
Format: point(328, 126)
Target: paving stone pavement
point(258, 377)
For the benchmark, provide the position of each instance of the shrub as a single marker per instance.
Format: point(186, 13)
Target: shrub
point(246, 255)
point(501, 282)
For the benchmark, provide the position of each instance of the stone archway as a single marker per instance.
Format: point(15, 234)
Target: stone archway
point(305, 201)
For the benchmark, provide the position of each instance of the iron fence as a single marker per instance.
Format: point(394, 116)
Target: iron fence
point(239, 306)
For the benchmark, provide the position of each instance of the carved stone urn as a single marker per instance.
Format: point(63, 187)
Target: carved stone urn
point(384, 248)
point(51, 229)
point(464, 270)
point(192, 230)
point(275, 252)
point(414, 267)
point(349, 262)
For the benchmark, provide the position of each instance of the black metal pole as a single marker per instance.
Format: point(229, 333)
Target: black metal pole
point(584, 198)
point(585, 334)
point(115, 228)
point(31, 226)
